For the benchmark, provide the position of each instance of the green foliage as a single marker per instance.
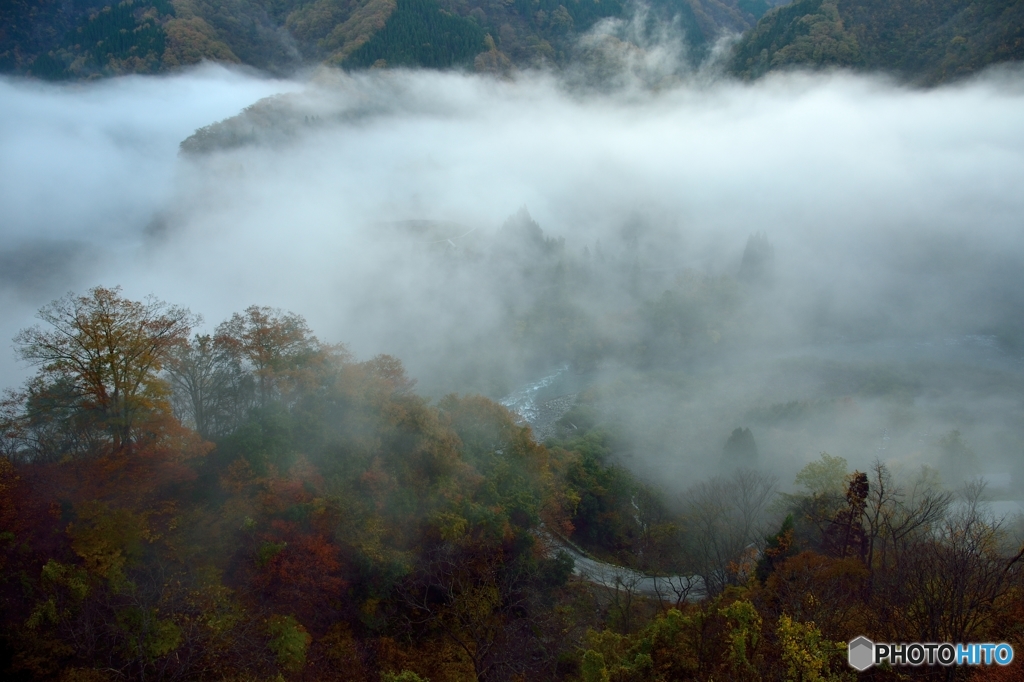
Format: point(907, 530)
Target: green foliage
point(593, 668)
point(289, 641)
point(66, 586)
point(556, 571)
point(267, 551)
point(715, 640)
point(825, 476)
point(419, 33)
point(756, 8)
point(778, 548)
point(114, 33)
point(265, 439)
point(86, 39)
point(119, 38)
point(603, 515)
point(147, 635)
point(929, 41)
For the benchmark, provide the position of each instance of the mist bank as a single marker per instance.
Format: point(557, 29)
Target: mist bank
point(85, 168)
point(387, 208)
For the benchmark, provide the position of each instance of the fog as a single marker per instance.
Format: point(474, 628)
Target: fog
point(378, 206)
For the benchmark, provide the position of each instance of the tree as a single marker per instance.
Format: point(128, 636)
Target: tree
point(210, 388)
point(824, 476)
point(276, 345)
point(957, 461)
point(108, 352)
point(958, 574)
point(806, 653)
point(478, 598)
point(846, 535)
point(726, 517)
point(740, 449)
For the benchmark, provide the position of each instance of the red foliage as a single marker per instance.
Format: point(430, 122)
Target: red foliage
point(299, 573)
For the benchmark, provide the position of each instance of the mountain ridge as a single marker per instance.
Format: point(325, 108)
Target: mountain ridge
point(927, 42)
point(85, 39)
point(923, 41)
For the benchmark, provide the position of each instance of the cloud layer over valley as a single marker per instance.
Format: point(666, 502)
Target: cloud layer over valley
point(376, 206)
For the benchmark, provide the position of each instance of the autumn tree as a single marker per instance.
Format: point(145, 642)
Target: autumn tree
point(846, 534)
point(725, 516)
point(105, 353)
point(959, 575)
point(490, 604)
point(278, 347)
point(210, 388)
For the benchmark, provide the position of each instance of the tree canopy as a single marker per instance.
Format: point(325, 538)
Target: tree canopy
point(339, 526)
point(104, 353)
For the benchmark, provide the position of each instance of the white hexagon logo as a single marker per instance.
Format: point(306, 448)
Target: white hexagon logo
point(861, 653)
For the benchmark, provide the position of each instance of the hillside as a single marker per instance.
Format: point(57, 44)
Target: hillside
point(923, 41)
point(256, 504)
point(90, 38)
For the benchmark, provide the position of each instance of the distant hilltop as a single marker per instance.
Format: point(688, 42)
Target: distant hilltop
point(922, 41)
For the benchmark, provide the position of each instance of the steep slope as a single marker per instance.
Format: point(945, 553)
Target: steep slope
point(924, 41)
point(89, 38)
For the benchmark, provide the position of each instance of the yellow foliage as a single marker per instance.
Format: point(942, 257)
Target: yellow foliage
point(364, 21)
point(744, 635)
point(191, 40)
point(805, 653)
point(107, 539)
point(451, 526)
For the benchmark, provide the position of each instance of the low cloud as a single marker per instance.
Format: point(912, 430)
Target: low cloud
point(373, 204)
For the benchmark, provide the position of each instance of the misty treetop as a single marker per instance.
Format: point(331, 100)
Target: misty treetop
point(331, 496)
point(256, 504)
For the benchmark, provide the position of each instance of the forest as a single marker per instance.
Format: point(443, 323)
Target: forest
point(88, 39)
point(754, 390)
point(930, 42)
point(257, 504)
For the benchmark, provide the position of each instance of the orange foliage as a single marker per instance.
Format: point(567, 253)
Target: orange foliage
point(811, 587)
point(301, 573)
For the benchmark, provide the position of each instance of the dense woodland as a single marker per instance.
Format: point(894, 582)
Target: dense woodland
point(929, 42)
point(257, 504)
point(250, 502)
point(926, 42)
point(90, 38)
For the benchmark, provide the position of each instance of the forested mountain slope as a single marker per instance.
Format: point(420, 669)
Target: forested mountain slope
point(87, 38)
point(255, 504)
point(926, 41)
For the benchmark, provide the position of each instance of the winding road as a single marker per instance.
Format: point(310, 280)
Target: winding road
point(541, 416)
